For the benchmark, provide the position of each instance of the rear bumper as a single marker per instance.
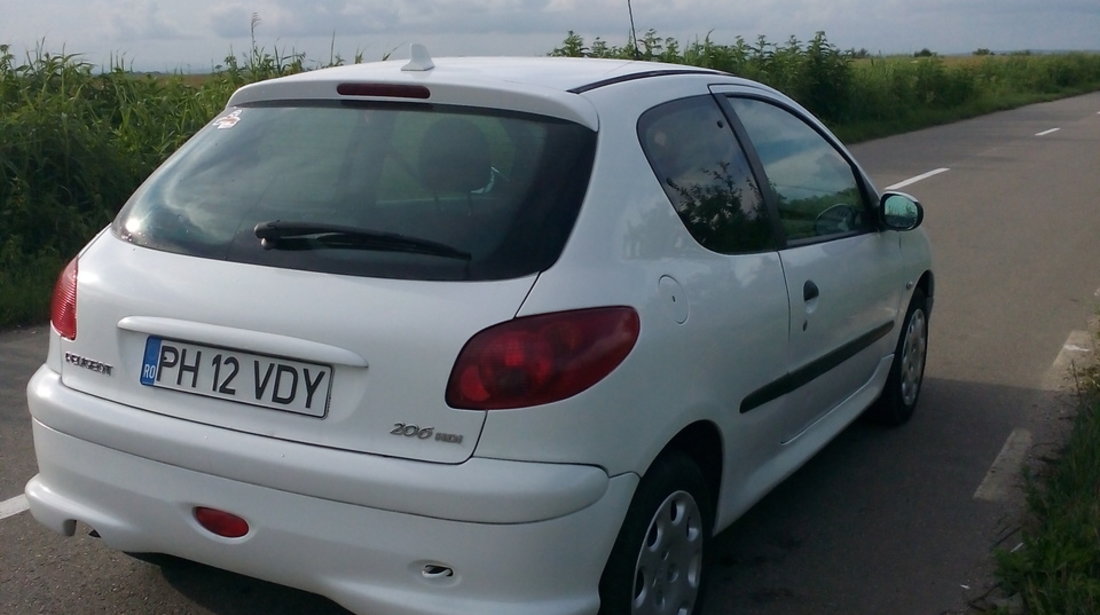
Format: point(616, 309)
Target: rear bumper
point(369, 559)
point(478, 490)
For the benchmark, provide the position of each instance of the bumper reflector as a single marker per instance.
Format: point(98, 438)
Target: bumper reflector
point(220, 522)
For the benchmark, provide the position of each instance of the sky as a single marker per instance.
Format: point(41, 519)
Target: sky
point(197, 35)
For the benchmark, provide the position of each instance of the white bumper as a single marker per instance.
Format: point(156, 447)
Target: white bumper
point(310, 528)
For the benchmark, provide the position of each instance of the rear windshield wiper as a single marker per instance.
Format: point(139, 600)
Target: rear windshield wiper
point(280, 235)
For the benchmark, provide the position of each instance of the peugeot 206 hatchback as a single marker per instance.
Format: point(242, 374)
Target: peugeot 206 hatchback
point(476, 335)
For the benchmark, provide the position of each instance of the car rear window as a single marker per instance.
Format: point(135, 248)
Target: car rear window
point(398, 191)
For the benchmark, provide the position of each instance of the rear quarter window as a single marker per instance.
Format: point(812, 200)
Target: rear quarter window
point(704, 172)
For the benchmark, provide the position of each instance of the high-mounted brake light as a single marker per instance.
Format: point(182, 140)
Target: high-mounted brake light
point(541, 359)
point(63, 303)
point(386, 90)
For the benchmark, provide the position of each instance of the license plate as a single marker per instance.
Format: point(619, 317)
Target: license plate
point(249, 378)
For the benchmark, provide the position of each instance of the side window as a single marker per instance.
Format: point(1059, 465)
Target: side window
point(816, 186)
point(705, 174)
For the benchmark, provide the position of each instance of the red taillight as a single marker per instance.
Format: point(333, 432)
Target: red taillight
point(220, 522)
point(63, 304)
point(541, 359)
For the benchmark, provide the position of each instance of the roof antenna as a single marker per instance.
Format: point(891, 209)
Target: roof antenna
point(419, 60)
point(633, 32)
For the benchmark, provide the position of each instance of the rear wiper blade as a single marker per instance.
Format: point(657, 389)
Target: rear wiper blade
point(280, 235)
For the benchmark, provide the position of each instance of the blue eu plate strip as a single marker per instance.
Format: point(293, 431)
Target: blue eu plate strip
point(149, 364)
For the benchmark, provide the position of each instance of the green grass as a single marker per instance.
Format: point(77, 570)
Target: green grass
point(1057, 568)
point(76, 141)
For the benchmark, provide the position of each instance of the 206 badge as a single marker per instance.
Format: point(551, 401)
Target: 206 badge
point(424, 433)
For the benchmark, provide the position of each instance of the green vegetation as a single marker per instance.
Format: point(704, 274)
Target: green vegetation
point(75, 142)
point(1057, 569)
point(860, 96)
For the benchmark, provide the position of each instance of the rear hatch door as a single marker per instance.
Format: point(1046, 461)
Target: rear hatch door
point(309, 271)
point(339, 361)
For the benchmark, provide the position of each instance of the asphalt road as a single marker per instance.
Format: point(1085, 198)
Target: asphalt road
point(882, 521)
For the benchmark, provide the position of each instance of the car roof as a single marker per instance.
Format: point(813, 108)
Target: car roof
point(545, 85)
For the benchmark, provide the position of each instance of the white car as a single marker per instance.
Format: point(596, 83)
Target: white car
point(476, 335)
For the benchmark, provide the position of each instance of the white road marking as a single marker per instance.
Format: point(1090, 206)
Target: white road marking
point(1047, 132)
point(913, 180)
point(1075, 350)
point(1005, 471)
point(12, 507)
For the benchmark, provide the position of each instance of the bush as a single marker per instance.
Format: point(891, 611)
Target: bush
point(74, 144)
point(816, 73)
point(861, 95)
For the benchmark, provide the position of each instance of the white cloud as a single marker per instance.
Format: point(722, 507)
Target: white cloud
point(133, 20)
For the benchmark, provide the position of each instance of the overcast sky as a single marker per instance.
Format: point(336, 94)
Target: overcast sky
point(195, 35)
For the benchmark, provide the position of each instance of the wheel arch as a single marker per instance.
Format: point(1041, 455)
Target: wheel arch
point(927, 283)
point(690, 463)
point(701, 442)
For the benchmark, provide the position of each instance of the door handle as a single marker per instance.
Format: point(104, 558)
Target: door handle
point(810, 291)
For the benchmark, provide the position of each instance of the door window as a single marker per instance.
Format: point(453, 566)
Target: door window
point(817, 192)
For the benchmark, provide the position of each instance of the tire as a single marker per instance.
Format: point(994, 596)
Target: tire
point(656, 565)
point(898, 400)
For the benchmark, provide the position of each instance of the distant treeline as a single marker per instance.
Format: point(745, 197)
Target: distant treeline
point(76, 141)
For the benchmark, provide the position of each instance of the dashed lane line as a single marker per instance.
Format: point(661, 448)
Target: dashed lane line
point(1047, 132)
point(913, 180)
point(13, 506)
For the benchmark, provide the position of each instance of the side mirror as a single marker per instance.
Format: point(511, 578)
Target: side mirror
point(900, 212)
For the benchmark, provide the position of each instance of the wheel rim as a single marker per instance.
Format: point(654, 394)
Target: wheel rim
point(670, 562)
point(912, 357)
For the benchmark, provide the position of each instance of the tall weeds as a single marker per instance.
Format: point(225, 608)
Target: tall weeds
point(1056, 567)
point(74, 143)
point(861, 96)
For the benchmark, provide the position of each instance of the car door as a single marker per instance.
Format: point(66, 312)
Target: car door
point(739, 323)
point(840, 270)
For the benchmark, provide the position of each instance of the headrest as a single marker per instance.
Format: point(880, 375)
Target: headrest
point(454, 156)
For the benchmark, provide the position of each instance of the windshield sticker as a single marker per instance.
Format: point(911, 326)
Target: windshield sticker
point(228, 121)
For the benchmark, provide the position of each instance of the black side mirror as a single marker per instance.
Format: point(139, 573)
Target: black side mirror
point(900, 212)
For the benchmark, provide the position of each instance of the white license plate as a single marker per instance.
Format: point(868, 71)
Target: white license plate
point(255, 379)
